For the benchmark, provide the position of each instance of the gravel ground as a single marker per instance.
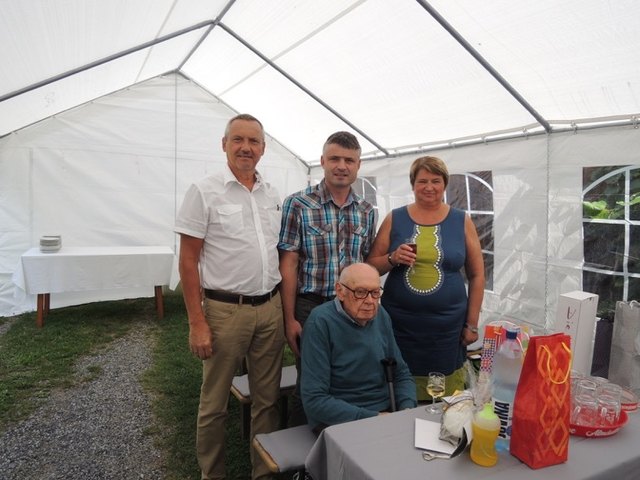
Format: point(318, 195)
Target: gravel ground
point(93, 431)
point(6, 326)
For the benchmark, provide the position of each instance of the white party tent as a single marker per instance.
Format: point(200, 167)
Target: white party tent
point(109, 110)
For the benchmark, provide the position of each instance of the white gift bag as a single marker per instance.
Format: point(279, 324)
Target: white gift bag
point(624, 363)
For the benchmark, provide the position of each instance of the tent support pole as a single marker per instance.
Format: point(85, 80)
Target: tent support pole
point(487, 66)
point(301, 87)
point(104, 60)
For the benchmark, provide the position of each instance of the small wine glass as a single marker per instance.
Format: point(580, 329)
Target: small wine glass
point(411, 243)
point(435, 388)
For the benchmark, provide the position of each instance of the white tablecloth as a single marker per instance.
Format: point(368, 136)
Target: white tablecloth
point(382, 448)
point(75, 269)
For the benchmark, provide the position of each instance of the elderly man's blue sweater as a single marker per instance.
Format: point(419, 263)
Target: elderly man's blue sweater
point(342, 377)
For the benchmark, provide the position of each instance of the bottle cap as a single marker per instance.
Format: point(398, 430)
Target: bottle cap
point(512, 333)
point(487, 412)
point(487, 418)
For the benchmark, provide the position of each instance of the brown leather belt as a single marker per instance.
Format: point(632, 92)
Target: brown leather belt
point(228, 297)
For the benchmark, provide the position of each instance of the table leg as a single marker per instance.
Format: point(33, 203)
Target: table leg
point(41, 309)
point(159, 301)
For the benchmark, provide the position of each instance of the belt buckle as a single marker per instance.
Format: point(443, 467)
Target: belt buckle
point(257, 300)
point(260, 299)
point(248, 300)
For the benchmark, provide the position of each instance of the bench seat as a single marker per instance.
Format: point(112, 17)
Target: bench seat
point(285, 450)
point(240, 390)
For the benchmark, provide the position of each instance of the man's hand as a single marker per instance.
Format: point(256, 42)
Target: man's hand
point(293, 330)
point(200, 340)
point(199, 332)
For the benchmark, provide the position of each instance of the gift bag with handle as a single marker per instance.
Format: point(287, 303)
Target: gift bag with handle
point(624, 364)
point(540, 432)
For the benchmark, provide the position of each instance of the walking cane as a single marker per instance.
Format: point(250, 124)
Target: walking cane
point(389, 365)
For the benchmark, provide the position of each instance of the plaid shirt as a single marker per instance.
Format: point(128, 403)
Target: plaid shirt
point(327, 237)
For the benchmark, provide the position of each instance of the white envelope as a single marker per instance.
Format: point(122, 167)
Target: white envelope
point(427, 437)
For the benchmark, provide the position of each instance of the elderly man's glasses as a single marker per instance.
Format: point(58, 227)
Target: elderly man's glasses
point(362, 293)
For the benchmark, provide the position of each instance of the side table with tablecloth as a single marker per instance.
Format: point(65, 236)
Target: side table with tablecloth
point(87, 269)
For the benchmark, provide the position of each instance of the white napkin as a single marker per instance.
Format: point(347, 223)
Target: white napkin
point(426, 437)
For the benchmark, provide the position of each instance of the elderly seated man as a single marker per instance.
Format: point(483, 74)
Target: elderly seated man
point(343, 344)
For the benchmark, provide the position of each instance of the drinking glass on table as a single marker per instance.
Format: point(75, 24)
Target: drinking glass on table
point(585, 404)
point(609, 403)
point(587, 387)
point(608, 410)
point(576, 376)
point(435, 388)
point(585, 410)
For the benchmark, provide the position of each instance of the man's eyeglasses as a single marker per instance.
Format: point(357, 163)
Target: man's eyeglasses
point(362, 293)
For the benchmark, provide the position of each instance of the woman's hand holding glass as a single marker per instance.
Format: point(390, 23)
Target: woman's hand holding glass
point(406, 253)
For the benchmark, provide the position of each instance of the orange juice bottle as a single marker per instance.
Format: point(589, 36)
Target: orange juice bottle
point(485, 426)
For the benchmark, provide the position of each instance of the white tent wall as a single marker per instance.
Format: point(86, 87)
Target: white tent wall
point(537, 199)
point(114, 172)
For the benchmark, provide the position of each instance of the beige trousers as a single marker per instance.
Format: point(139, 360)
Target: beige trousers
point(239, 331)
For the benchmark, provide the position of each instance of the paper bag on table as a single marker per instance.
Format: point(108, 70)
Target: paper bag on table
point(540, 431)
point(624, 362)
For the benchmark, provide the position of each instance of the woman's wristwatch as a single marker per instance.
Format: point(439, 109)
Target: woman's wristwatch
point(393, 265)
point(470, 328)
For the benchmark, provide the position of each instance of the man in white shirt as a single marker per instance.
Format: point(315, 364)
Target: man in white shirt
point(229, 225)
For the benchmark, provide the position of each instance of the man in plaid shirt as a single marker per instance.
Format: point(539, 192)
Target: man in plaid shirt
point(325, 228)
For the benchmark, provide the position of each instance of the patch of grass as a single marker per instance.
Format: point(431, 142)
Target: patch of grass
point(175, 379)
point(33, 361)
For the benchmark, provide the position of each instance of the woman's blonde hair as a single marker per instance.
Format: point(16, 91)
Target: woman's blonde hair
point(430, 164)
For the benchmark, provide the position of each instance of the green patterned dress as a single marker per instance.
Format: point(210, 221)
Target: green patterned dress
point(428, 304)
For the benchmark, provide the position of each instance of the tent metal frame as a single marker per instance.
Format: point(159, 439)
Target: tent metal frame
point(542, 127)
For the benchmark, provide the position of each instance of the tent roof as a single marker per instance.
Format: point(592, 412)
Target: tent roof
point(404, 75)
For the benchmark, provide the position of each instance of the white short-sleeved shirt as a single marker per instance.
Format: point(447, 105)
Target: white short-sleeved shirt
point(240, 231)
